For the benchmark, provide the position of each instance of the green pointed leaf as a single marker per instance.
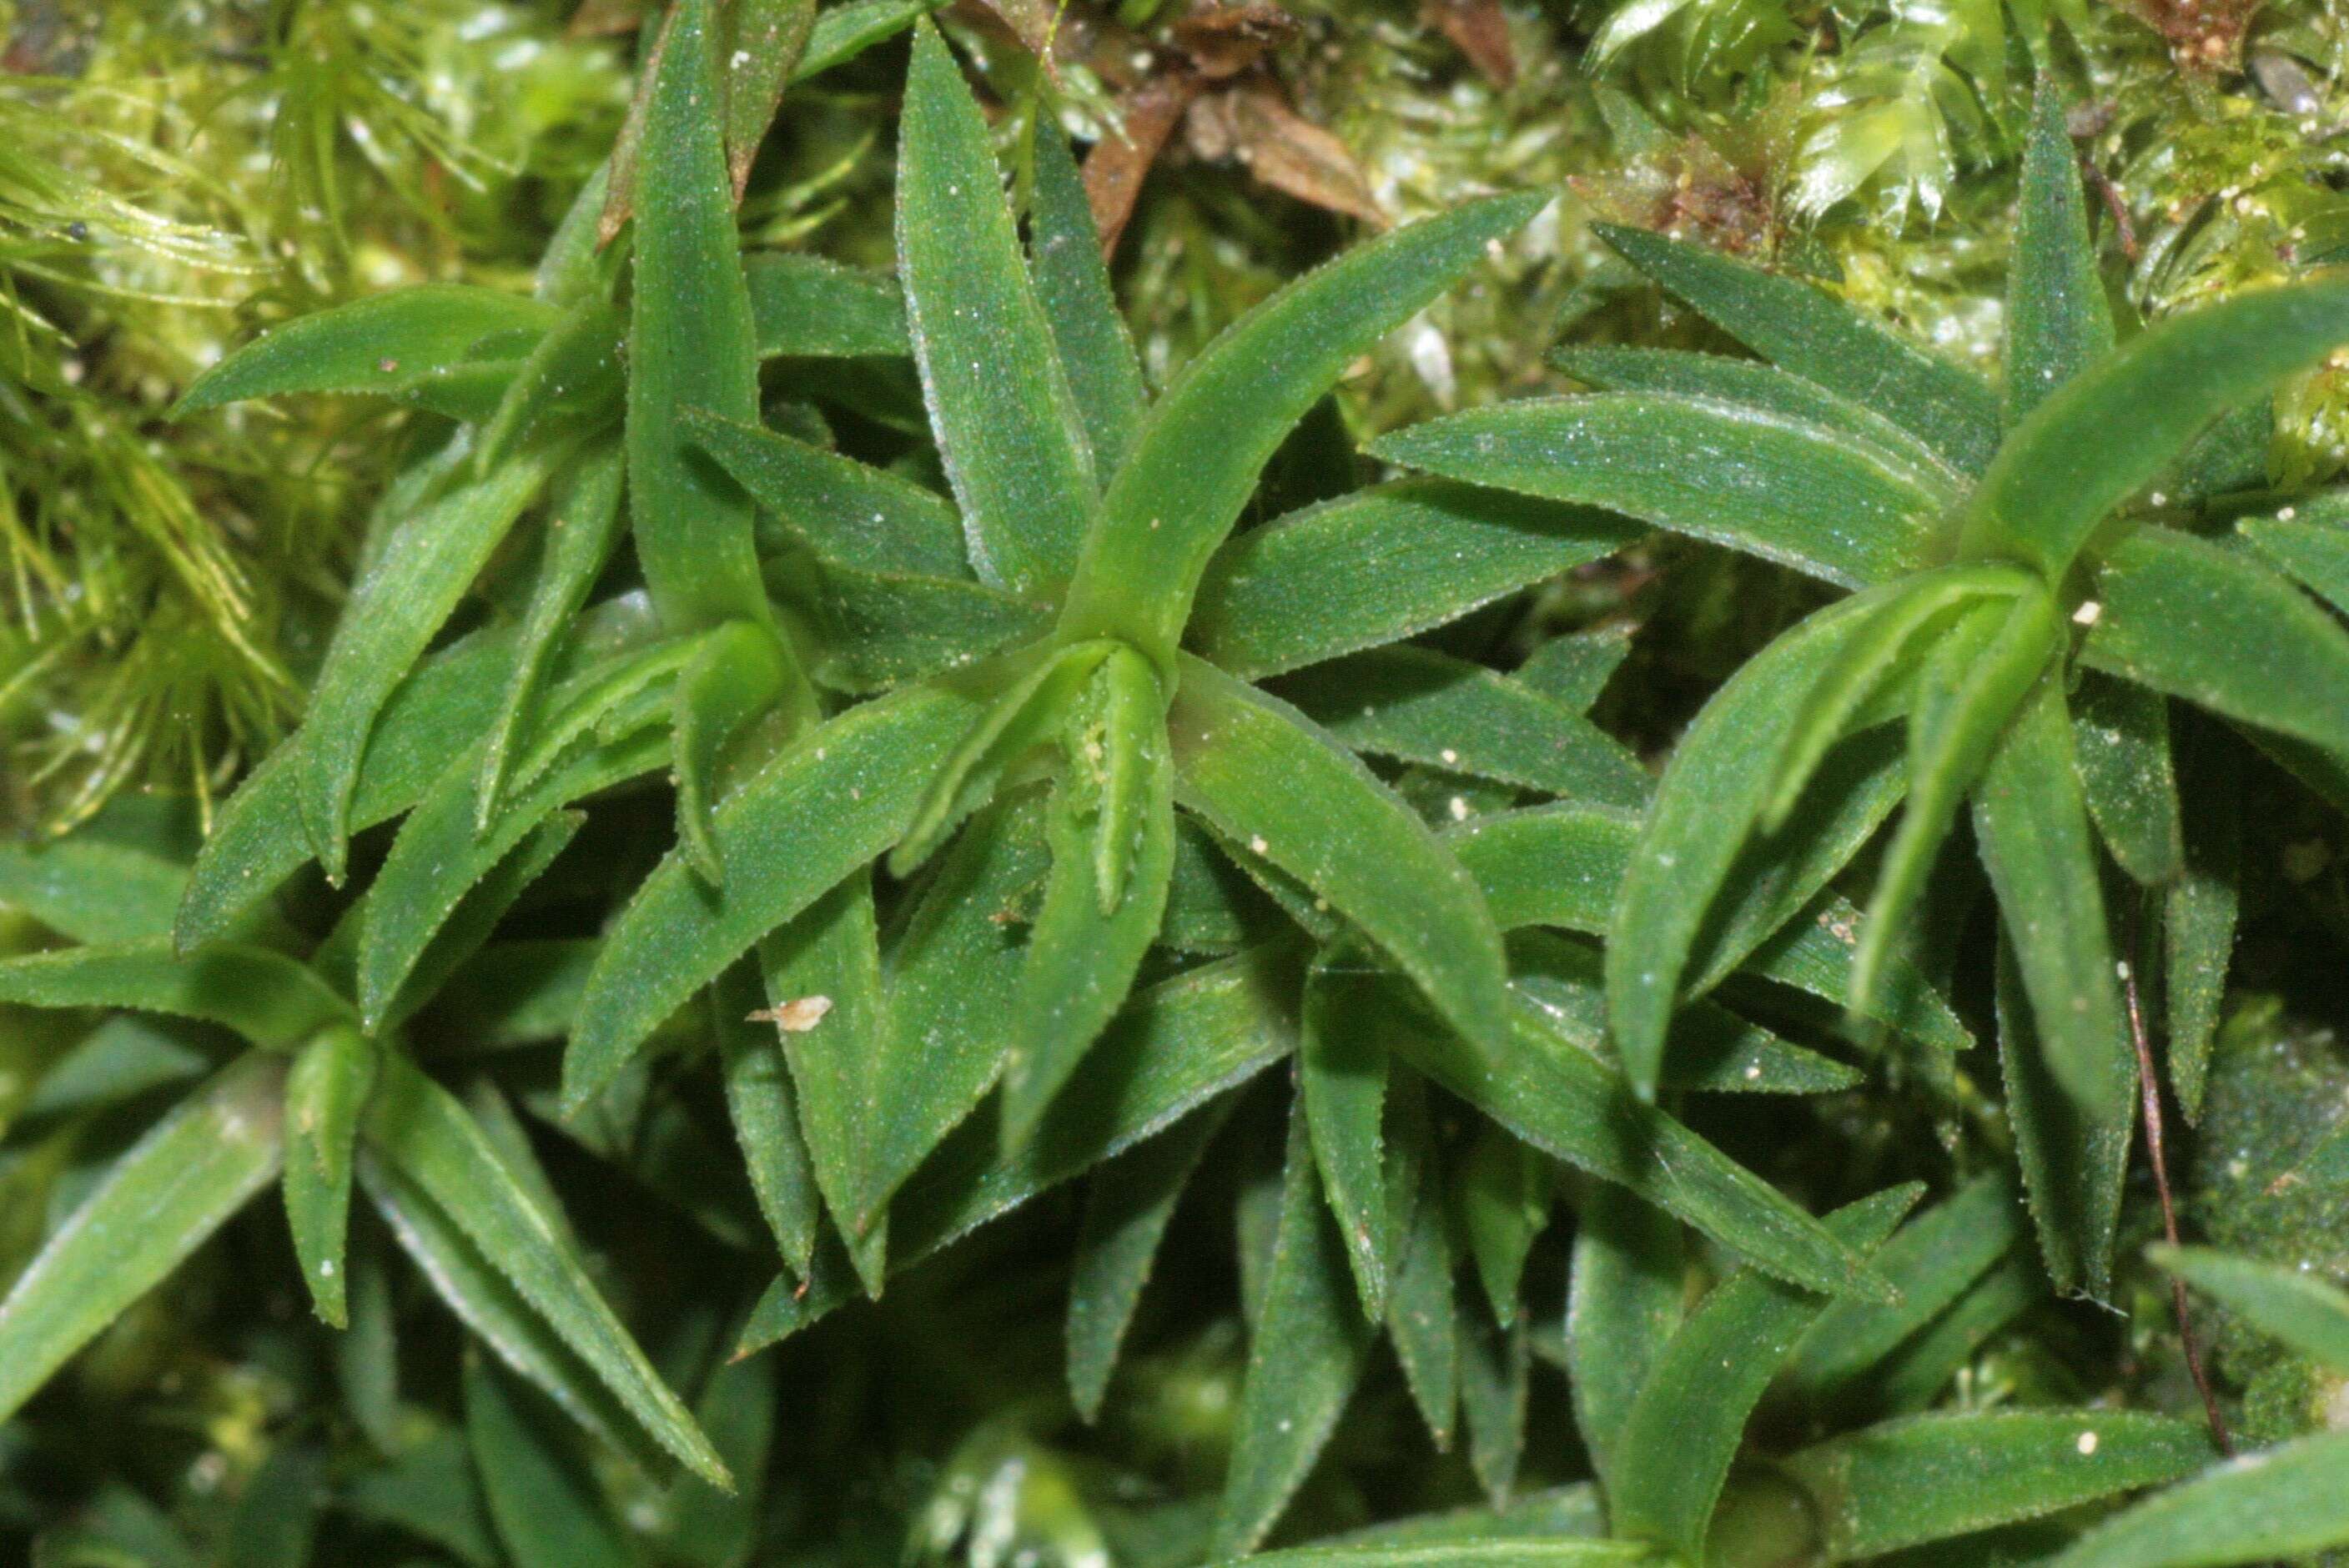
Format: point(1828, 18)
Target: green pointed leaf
point(1574, 670)
point(1006, 423)
point(812, 307)
point(821, 975)
point(2212, 625)
point(1765, 388)
point(2115, 426)
point(275, 1524)
point(397, 344)
point(1427, 708)
point(1930, 1478)
point(1710, 796)
point(1073, 288)
point(2198, 911)
point(420, 1132)
point(1495, 1366)
point(690, 343)
point(325, 1092)
point(1503, 1189)
point(1307, 1353)
point(542, 1497)
point(2121, 740)
point(2058, 321)
point(90, 890)
point(849, 514)
point(764, 1108)
point(2260, 1508)
point(174, 1187)
point(738, 670)
point(1422, 1311)
point(838, 796)
point(1128, 1203)
point(881, 631)
point(1965, 697)
point(1263, 776)
point(263, 995)
point(1918, 1373)
point(1689, 1419)
point(572, 378)
point(1342, 1085)
point(1760, 482)
point(764, 42)
point(1382, 564)
point(2073, 1162)
point(1465, 1553)
point(1932, 1261)
point(2313, 553)
point(401, 600)
point(582, 526)
point(1803, 330)
point(843, 32)
point(2034, 830)
point(1624, 1296)
point(2305, 1312)
point(1080, 961)
point(1196, 459)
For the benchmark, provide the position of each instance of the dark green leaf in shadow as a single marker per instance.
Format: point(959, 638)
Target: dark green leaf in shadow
point(2072, 1164)
point(2309, 1313)
point(1628, 1282)
point(1342, 1085)
point(542, 1496)
point(2120, 741)
point(2198, 911)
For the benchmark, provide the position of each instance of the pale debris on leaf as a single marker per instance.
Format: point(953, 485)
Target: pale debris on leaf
point(796, 1016)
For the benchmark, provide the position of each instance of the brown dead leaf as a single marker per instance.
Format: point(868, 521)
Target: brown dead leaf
point(1294, 156)
point(1114, 168)
point(1221, 41)
point(1479, 30)
point(605, 18)
point(796, 1016)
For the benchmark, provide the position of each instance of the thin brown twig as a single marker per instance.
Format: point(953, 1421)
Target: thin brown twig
point(2150, 1092)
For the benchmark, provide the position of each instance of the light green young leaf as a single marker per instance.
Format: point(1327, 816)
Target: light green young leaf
point(90, 890)
point(2197, 912)
point(2305, 1312)
point(2117, 425)
point(848, 512)
point(2314, 554)
point(395, 608)
point(1196, 459)
point(266, 997)
point(1965, 695)
point(2211, 624)
point(2120, 741)
point(1341, 1086)
point(1685, 1427)
point(1624, 1296)
point(2033, 827)
point(1799, 328)
point(2073, 1162)
point(690, 343)
point(418, 1131)
point(764, 1108)
point(1128, 1202)
point(810, 307)
point(1427, 708)
point(2260, 1508)
point(2058, 322)
point(1306, 1352)
point(1928, 1477)
point(1074, 287)
point(542, 1497)
point(1382, 564)
point(821, 975)
point(582, 523)
point(174, 1187)
point(1782, 489)
point(1265, 777)
point(325, 1092)
point(836, 798)
point(397, 344)
point(1006, 423)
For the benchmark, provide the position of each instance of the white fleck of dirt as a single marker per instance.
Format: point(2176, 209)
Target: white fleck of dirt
point(796, 1016)
point(2086, 1445)
point(2088, 614)
point(1459, 808)
point(1256, 845)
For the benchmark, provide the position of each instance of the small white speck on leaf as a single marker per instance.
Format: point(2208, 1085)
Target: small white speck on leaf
point(2087, 1444)
point(2088, 614)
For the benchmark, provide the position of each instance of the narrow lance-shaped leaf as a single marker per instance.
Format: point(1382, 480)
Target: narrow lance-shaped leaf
point(838, 797)
point(324, 1095)
point(739, 671)
point(849, 514)
point(571, 377)
point(1803, 330)
point(581, 525)
point(2121, 740)
point(1686, 1425)
point(2057, 319)
point(1461, 1553)
point(1423, 1307)
point(1074, 287)
point(2073, 1161)
point(2309, 1313)
point(1503, 1191)
point(1265, 778)
point(387, 343)
point(2117, 425)
point(1749, 479)
point(263, 995)
point(1341, 1081)
point(764, 39)
point(1931, 1478)
point(2198, 911)
point(175, 1187)
point(1306, 1352)
point(2265, 1507)
point(690, 343)
point(542, 1496)
point(1006, 423)
point(421, 1131)
point(808, 306)
point(1623, 1301)
point(401, 601)
point(92, 890)
point(1197, 458)
point(2315, 552)
point(764, 1108)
